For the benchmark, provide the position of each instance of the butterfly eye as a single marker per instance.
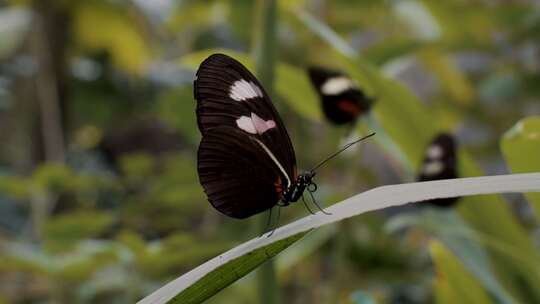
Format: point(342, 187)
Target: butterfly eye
point(312, 187)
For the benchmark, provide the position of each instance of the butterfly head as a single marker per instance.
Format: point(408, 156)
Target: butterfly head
point(305, 181)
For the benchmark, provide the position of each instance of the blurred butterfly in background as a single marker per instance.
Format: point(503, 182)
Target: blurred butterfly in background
point(341, 98)
point(246, 162)
point(440, 162)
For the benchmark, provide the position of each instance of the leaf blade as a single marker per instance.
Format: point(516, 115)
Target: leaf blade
point(375, 199)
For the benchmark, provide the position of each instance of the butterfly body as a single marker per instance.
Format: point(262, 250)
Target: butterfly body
point(296, 190)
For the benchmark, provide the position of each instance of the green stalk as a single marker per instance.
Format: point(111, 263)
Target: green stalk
point(265, 58)
point(265, 43)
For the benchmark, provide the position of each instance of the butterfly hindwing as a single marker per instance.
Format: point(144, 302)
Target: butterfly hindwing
point(229, 95)
point(238, 177)
point(342, 100)
point(440, 163)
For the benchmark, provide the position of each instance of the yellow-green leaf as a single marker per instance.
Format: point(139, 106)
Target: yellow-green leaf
point(454, 283)
point(100, 27)
point(521, 150)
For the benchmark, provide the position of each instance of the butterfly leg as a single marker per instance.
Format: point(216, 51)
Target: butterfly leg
point(268, 222)
point(277, 222)
point(307, 206)
point(315, 203)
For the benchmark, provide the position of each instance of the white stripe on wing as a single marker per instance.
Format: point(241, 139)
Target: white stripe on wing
point(275, 161)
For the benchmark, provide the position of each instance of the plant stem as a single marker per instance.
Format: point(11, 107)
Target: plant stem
point(265, 43)
point(265, 58)
point(47, 84)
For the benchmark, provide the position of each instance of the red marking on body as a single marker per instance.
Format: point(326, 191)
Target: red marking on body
point(278, 185)
point(349, 107)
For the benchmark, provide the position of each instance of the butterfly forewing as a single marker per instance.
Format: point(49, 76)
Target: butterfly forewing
point(440, 163)
point(342, 100)
point(245, 158)
point(229, 95)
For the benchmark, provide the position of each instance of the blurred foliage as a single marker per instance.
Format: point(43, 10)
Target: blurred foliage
point(97, 27)
point(454, 283)
point(112, 225)
point(524, 139)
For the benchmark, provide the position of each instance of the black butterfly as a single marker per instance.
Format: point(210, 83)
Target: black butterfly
point(246, 161)
point(342, 100)
point(440, 162)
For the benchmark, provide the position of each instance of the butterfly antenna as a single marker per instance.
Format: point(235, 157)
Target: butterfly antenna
point(347, 146)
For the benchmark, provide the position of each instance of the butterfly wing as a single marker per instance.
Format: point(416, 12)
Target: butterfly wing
point(229, 95)
point(440, 163)
point(245, 158)
point(238, 176)
point(342, 100)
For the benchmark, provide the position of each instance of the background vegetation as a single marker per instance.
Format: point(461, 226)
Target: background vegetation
point(99, 195)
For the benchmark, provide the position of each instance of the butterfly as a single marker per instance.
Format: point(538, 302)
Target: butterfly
point(341, 98)
point(246, 161)
point(440, 163)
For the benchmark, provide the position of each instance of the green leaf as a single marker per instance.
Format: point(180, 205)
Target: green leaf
point(465, 243)
point(453, 81)
point(521, 150)
point(396, 109)
point(454, 283)
point(418, 19)
point(221, 271)
point(228, 273)
point(99, 26)
point(325, 32)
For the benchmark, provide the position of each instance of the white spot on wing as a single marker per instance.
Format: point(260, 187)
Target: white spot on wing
point(337, 85)
point(255, 124)
point(435, 152)
point(433, 168)
point(256, 89)
point(245, 123)
point(243, 90)
point(262, 125)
